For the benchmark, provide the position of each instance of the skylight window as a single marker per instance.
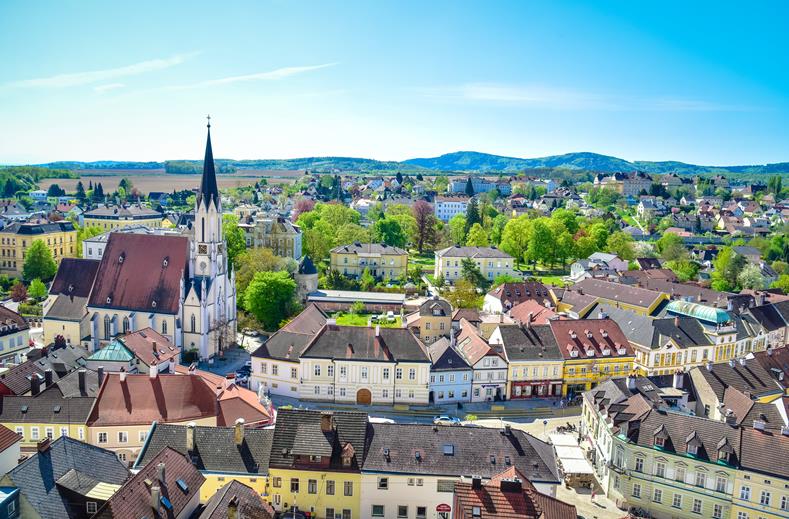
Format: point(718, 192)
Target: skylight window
point(182, 485)
point(449, 449)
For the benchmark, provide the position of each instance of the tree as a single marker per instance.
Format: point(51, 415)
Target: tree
point(234, 237)
point(457, 229)
point(782, 283)
point(55, 190)
point(477, 237)
point(471, 273)
point(37, 289)
point(469, 187)
point(39, 262)
point(389, 231)
point(302, 205)
point(497, 229)
point(251, 261)
point(399, 178)
point(516, 236)
point(505, 278)
point(472, 214)
point(671, 247)
point(270, 298)
point(351, 233)
point(621, 244)
point(774, 185)
point(18, 292)
point(750, 277)
point(426, 221)
point(85, 233)
point(464, 295)
point(366, 281)
point(728, 266)
point(81, 195)
point(684, 269)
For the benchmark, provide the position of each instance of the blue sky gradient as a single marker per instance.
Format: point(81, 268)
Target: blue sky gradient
point(700, 82)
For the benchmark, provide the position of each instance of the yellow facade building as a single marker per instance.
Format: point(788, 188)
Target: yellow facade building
point(432, 321)
point(16, 239)
point(114, 217)
point(383, 261)
point(48, 415)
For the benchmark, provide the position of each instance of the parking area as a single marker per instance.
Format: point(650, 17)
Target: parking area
point(232, 360)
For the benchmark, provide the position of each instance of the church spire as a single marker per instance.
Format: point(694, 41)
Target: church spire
point(208, 188)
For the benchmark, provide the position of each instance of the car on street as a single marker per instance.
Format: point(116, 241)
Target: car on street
point(446, 420)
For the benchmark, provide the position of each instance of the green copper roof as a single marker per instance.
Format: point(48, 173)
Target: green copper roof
point(113, 352)
point(701, 312)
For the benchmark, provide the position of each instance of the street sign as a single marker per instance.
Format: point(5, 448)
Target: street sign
point(443, 507)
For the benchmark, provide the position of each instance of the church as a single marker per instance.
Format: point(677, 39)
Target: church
point(179, 285)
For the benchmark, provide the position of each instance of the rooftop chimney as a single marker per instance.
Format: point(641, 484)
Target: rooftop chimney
point(81, 376)
point(476, 482)
point(709, 366)
point(377, 330)
point(153, 370)
point(160, 472)
point(190, 436)
point(732, 363)
point(678, 376)
point(511, 486)
point(676, 321)
point(232, 508)
point(35, 384)
point(630, 380)
point(156, 495)
point(230, 379)
point(742, 361)
point(101, 374)
point(47, 377)
point(43, 445)
point(326, 423)
point(122, 375)
point(239, 432)
point(172, 365)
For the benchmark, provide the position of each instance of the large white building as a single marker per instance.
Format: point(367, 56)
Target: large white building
point(448, 206)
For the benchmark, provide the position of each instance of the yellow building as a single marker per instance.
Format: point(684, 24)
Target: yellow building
point(639, 300)
point(761, 485)
point(383, 261)
point(492, 262)
point(593, 350)
point(315, 463)
point(535, 364)
point(114, 217)
point(222, 454)
point(48, 415)
point(65, 310)
point(432, 321)
point(16, 239)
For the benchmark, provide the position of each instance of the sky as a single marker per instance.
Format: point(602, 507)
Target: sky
point(698, 82)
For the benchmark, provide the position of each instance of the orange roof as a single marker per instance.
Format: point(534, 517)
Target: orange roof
point(237, 402)
point(539, 314)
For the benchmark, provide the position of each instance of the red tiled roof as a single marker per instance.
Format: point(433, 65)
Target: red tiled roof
point(605, 335)
point(141, 399)
point(133, 274)
point(236, 402)
point(471, 345)
point(8, 438)
point(539, 314)
point(142, 342)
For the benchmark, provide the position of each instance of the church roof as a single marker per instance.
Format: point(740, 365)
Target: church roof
point(307, 266)
point(208, 188)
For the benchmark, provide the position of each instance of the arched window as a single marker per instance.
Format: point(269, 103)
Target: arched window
point(125, 325)
point(164, 327)
point(202, 228)
point(194, 323)
point(107, 334)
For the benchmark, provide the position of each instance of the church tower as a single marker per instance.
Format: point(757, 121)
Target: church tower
point(209, 321)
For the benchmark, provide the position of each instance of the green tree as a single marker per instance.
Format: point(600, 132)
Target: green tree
point(516, 236)
point(568, 218)
point(775, 185)
point(234, 237)
point(39, 262)
point(472, 214)
point(477, 237)
point(671, 247)
point(389, 231)
point(728, 266)
point(472, 273)
point(457, 229)
point(55, 190)
point(684, 269)
point(351, 233)
point(270, 298)
point(425, 225)
point(469, 187)
point(497, 229)
point(782, 283)
point(464, 295)
point(251, 261)
point(367, 281)
point(750, 277)
point(37, 289)
point(621, 244)
point(84, 233)
point(81, 195)
point(18, 292)
point(505, 278)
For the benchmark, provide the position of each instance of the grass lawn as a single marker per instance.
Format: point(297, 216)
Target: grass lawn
point(424, 262)
point(344, 319)
point(551, 280)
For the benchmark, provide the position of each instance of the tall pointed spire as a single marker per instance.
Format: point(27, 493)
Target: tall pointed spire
point(208, 188)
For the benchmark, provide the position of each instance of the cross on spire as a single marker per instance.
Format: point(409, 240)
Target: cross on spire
point(208, 117)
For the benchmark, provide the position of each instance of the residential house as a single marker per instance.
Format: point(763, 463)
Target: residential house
point(488, 364)
point(364, 365)
point(594, 350)
point(719, 326)
point(137, 352)
point(490, 261)
point(14, 337)
point(535, 364)
point(382, 260)
point(10, 451)
point(432, 321)
point(236, 499)
point(48, 364)
point(761, 485)
point(65, 478)
point(450, 374)
point(17, 238)
point(502, 298)
point(639, 300)
point(279, 234)
point(599, 264)
point(411, 470)
point(116, 216)
point(66, 308)
point(532, 312)
point(316, 461)
point(168, 486)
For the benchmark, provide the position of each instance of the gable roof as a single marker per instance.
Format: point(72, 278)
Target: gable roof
point(529, 343)
point(751, 378)
point(141, 399)
point(362, 343)
point(533, 310)
point(182, 481)
point(46, 408)
point(150, 346)
point(472, 346)
point(214, 450)
point(75, 277)
point(444, 357)
point(634, 296)
point(36, 477)
point(458, 251)
point(376, 249)
point(141, 272)
point(237, 402)
point(514, 293)
point(590, 338)
point(61, 361)
point(8, 438)
point(246, 500)
point(290, 341)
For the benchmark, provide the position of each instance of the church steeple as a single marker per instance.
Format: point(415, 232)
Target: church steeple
point(208, 187)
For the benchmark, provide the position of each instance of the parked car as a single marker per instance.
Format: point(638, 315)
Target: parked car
point(446, 420)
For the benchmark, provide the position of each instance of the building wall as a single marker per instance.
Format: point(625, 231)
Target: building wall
point(9, 458)
point(32, 433)
point(411, 490)
point(776, 489)
point(165, 324)
point(432, 327)
point(72, 331)
point(667, 360)
point(538, 378)
point(490, 377)
point(216, 480)
point(283, 499)
point(452, 268)
point(13, 346)
point(446, 210)
point(275, 376)
point(108, 224)
point(451, 386)
point(584, 374)
point(389, 266)
point(14, 247)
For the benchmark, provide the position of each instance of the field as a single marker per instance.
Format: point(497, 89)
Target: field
point(344, 319)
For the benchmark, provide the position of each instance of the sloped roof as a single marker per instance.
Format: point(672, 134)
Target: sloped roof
point(574, 335)
point(472, 346)
point(702, 312)
point(289, 342)
point(539, 313)
point(75, 277)
point(362, 343)
point(237, 402)
point(611, 291)
point(530, 343)
point(458, 251)
point(751, 378)
point(369, 248)
point(141, 273)
point(150, 346)
point(8, 438)
point(444, 357)
point(515, 293)
point(247, 502)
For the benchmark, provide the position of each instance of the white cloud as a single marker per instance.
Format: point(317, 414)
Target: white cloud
point(106, 88)
point(271, 75)
point(95, 76)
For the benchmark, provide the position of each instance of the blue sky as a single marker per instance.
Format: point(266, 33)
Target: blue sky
point(701, 82)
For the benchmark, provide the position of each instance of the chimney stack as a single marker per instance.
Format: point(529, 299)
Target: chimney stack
point(122, 375)
point(35, 384)
point(156, 496)
point(232, 508)
point(153, 370)
point(239, 432)
point(377, 330)
point(47, 378)
point(101, 374)
point(630, 380)
point(476, 482)
point(709, 366)
point(678, 377)
point(326, 423)
point(190, 436)
point(230, 379)
point(160, 472)
point(511, 486)
point(43, 445)
point(172, 365)
point(81, 376)
point(676, 321)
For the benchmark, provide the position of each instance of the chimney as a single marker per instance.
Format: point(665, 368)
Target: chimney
point(160, 472)
point(476, 482)
point(709, 366)
point(155, 497)
point(630, 380)
point(759, 298)
point(122, 375)
point(101, 375)
point(729, 305)
point(232, 508)
point(153, 370)
point(377, 330)
point(678, 377)
point(43, 445)
point(742, 361)
point(230, 379)
point(172, 365)
point(35, 384)
point(239, 432)
point(190, 436)
point(81, 376)
point(326, 422)
point(511, 486)
point(732, 363)
point(47, 377)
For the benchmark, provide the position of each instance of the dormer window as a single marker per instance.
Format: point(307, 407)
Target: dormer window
point(660, 441)
point(153, 304)
point(121, 258)
point(109, 299)
point(165, 261)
